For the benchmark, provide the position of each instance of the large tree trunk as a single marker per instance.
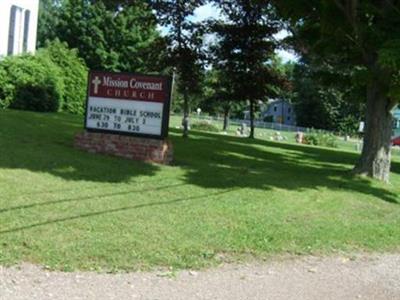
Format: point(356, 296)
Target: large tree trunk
point(185, 121)
point(376, 153)
point(251, 119)
point(226, 119)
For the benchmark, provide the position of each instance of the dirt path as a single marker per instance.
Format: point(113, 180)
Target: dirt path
point(364, 277)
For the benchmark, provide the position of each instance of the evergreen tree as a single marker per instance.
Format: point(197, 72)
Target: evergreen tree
point(246, 45)
point(184, 47)
point(218, 95)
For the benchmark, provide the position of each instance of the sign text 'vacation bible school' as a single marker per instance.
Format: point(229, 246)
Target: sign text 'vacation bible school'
point(128, 104)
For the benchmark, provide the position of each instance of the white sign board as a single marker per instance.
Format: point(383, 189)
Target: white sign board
point(128, 104)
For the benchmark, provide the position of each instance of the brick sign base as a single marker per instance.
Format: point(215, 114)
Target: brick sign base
point(144, 149)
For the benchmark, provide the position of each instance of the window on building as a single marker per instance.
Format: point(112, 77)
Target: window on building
point(275, 108)
point(11, 30)
point(15, 31)
point(289, 110)
point(26, 30)
point(396, 124)
point(288, 118)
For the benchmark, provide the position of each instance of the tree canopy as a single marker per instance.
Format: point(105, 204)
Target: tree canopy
point(349, 50)
point(245, 46)
point(362, 38)
point(110, 35)
point(184, 40)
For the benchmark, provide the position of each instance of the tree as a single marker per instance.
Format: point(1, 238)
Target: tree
point(109, 35)
point(184, 47)
point(326, 98)
point(285, 71)
point(366, 36)
point(245, 46)
point(218, 95)
point(48, 20)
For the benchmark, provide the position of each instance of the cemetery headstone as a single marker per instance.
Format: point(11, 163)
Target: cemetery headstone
point(243, 129)
point(299, 137)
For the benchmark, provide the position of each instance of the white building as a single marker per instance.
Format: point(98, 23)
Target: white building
point(18, 26)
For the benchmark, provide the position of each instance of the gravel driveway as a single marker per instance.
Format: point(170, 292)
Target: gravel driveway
point(362, 277)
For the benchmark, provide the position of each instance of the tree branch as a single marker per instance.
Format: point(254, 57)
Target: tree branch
point(350, 12)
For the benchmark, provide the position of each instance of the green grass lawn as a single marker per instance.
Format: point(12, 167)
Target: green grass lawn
point(268, 134)
point(261, 133)
point(225, 198)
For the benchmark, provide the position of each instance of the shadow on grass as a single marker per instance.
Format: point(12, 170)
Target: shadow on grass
point(116, 210)
point(44, 143)
point(88, 198)
point(214, 161)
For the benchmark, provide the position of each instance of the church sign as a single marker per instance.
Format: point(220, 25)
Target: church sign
point(128, 104)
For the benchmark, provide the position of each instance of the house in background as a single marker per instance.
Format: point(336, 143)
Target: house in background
point(396, 122)
point(18, 26)
point(279, 111)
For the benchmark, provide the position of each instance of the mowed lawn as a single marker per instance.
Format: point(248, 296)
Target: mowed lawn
point(224, 199)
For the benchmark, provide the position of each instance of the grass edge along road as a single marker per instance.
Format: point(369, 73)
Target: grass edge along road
point(225, 198)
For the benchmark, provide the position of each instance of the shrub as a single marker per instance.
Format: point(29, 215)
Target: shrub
point(74, 74)
point(41, 98)
point(318, 138)
point(54, 79)
point(6, 89)
point(31, 83)
point(205, 126)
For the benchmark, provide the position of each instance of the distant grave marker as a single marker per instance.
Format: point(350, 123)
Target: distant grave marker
point(128, 115)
